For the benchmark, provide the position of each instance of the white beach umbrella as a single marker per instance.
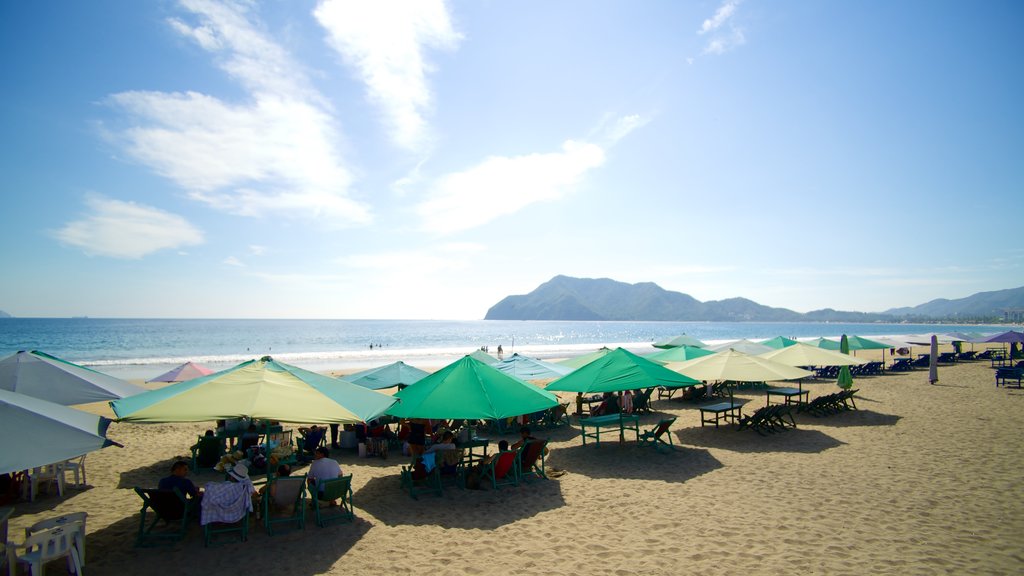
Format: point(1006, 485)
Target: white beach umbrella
point(43, 376)
point(744, 345)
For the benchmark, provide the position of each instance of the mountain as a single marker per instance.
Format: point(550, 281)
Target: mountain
point(5, 314)
point(567, 298)
point(999, 304)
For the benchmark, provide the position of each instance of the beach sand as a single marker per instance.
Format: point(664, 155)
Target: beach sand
point(922, 479)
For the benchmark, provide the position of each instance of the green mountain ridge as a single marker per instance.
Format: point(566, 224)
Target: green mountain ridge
point(568, 298)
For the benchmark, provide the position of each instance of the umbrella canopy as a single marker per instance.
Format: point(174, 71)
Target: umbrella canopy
point(801, 354)
point(40, 375)
point(854, 342)
point(681, 340)
point(1006, 337)
point(619, 370)
point(933, 361)
point(745, 346)
point(388, 376)
point(737, 366)
point(56, 432)
point(469, 389)
point(926, 339)
point(531, 369)
point(264, 389)
point(186, 371)
point(483, 356)
point(578, 361)
point(845, 379)
point(778, 342)
point(678, 354)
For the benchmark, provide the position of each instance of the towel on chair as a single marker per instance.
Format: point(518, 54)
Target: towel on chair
point(226, 501)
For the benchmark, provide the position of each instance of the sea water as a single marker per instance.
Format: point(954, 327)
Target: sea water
point(143, 348)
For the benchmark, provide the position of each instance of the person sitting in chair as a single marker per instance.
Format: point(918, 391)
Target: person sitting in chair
point(208, 450)
point(322, 468)
point(177, 479)
point(250, 438)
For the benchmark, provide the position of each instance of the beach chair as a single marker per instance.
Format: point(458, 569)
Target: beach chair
point(656, 436)
point(642, 401)
point(225, 509)
point(501, 470)
point(206, 453)
point(531, 460)
point(450, 468)
point(51, 474)
point(328, 492)
point(48, 544)
point(69, 519)
point(756, 421)
point(306, 444)
point(557, 416)
point(168, 506)
point(287, 505)
point(429, 484)
point(75, 467)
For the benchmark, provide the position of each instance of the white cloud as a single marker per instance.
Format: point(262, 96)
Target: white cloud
point(257, 250)
point(499, 186)
point(385, 42)
point(722, 15)
point(274, 153)
point(722, 44)
point(127, 230)
point(232, 261)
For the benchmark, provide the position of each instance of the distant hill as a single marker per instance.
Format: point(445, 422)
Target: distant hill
point(5, 314)
point(568, 298)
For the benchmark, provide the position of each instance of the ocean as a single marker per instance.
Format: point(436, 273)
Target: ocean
point(143, 348)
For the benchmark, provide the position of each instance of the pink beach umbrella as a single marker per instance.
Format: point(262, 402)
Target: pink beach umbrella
point(186, 371)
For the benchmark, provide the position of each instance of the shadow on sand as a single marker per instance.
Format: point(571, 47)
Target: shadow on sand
point(631, 461)
point(795, 440)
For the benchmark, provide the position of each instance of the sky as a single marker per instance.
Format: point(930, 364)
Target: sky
point(425, 159)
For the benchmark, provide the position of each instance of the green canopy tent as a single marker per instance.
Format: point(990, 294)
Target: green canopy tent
point(578, 361)
point(469, 389)
point(681, 340)
point(263, 389)
point(617, 371)
point(778, 342)
point(845, 379)
point(678, 354)
point(388, 376)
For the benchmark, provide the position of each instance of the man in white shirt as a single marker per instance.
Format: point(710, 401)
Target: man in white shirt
point(322, 468)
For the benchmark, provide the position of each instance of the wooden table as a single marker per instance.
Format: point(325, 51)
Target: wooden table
point(621, 421)
point(790, 395)
point(720, 411)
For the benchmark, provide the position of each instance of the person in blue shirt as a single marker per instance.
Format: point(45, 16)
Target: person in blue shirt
point(177, 479)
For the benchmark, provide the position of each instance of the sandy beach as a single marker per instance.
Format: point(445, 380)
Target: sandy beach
point(922, 479)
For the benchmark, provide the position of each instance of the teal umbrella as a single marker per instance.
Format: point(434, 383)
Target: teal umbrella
point(472, 390)
point(388, 376)
point(778, 342)
point(678, 354)
point(41, 432)
point(526, 368)
point(854, 343)
point(578, 361)
point(264, 389)
point(845, 379)
point(483, 356)
point(617, 371)
point(681, 340)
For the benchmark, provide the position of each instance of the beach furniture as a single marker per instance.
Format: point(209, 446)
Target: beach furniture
point(70, 518)
point(831, 403)
point(557, 415)
point(901, 365)
point(167, 506)
point(620, 421)
point(207, 452)
point(789, 395)
point(76, 467)
point(63, 541)
point(431, 484)
point(502, 469)
point(287, 505)
point(768, 419)
point(50, 474)
point(339, 489)
point(531, 460)
point(1009, 377)
point(642, 401)
point(225, 509)
point(947, 358)
point(720, 411)
point(656, 436)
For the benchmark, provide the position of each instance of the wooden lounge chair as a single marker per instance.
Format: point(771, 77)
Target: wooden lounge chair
point(531, 460)
point(168, 506)
point(656, 436)
point(206, 453)
point(287, 505)
point(225, 509)
point(501, 470)
point(335, 490)
point(557, 416)
point(430, 484)
point(642, 401)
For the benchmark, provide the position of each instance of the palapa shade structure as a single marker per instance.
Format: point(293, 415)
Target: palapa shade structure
point(186, 371)
point(40, 432)
point(801, 354)
point(471, 390)
point(263, 389)
point(388, 376)
point(40, 375)
point(678, 354)
point(681, 340)
point(526, 368)
point(617, 371)
point(578, 361)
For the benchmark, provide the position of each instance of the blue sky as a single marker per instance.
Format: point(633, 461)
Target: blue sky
point(334, 159)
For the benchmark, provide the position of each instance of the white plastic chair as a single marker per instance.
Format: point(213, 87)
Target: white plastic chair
point(51, 544)
point(77, 467)
point(64, 520)
point(51, 473)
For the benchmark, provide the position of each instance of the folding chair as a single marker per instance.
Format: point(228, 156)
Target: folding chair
point(656, 436)
point(287, 504)
point(328, 491)
point(170, 506)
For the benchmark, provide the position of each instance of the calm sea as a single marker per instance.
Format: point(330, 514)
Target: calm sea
point(140, 348)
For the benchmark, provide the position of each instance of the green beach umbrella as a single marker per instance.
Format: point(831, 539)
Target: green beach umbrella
point(681, 340)
point(678, 354)
point(778, 342)
point(526, 368)
point(472, 390)
point(263, 389)
point(579, 361)
point(617, 371)
point(483, 356)
point(845, 379)
point(388, 376)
